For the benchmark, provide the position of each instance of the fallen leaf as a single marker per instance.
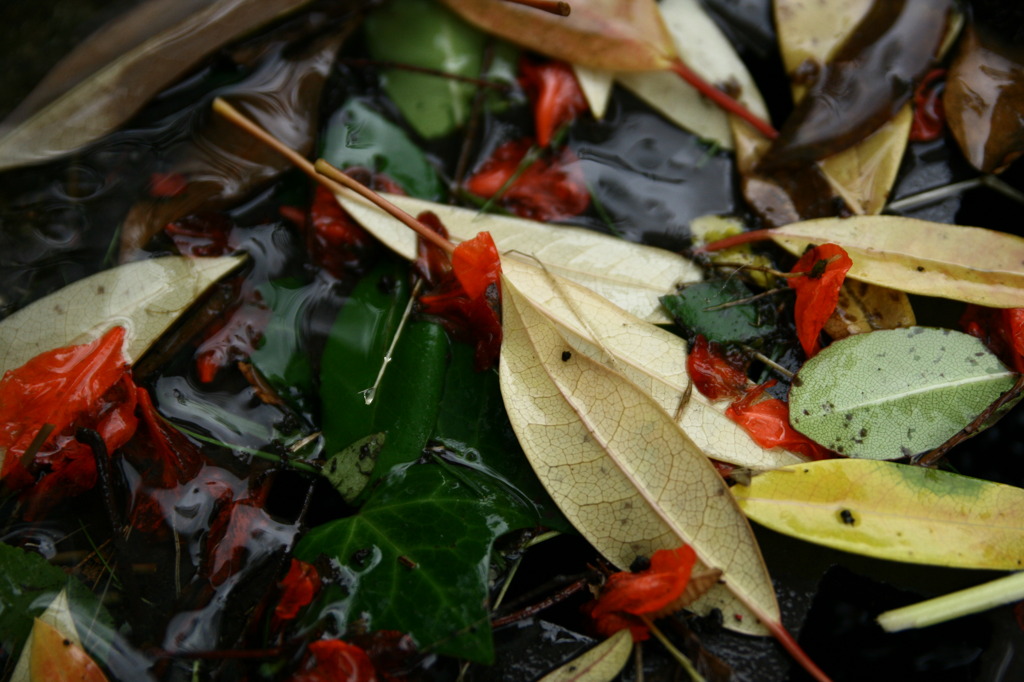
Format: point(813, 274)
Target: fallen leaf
point(145, 297)
point(632, 276)
point(696, 309)
point(864, 307)
point(983, 99)
point(900, 392)
point(596, 85)
point(119, 88)
point(969, 264)
point(603, 663)
point(617, 465)
point(617, 35)
point(54, 651)
point(892, 511)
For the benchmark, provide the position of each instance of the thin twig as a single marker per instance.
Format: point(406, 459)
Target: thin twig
point(769, 362)
point(558, 7)
point(676, 653)
point(722, 100)
point(563, 594)
point(748, 299)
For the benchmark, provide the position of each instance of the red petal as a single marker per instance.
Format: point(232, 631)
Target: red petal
point(817, 292)
point(767, 422)
point(929, 115)
point(332, 660)
point(167, 185)
point(299, 587)
point(556, 95)
point(712, 372)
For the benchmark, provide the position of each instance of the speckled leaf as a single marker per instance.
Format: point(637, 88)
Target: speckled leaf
point(969, 264)
point(603, 663)
point(146, 297)
point(895, 393)
point(618, 35)
point(417, 555)
point(616, 464)
point(632, 276)
point(892, 511)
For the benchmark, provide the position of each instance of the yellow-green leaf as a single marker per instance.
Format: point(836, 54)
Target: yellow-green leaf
point(53, 650)
point(146, 297)
point(602, 663)
point(1005, 590)
point(969, 264)
point(617, 465)
point(892, 511)
point(632, 276)
point(618, 35)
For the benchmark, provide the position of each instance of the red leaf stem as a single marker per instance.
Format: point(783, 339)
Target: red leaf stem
point(722, 100)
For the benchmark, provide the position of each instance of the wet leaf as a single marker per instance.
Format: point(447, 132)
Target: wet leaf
point(741, 323)
point(616, 35)
point(632, 276)
point(349, 470)
point(898, 393)
point(358, 135)
point(223, 165)
point(54, 651)
point(117, 89)
point(892, 511)
point(426, 524)
point(969, 264)
point(145, 297)
point(405, 405)
point(983, 99)
point(704, 48)
point(602, 663)
point(616, 464)
point(421, 33)
point(864, 307)
point(27, 584)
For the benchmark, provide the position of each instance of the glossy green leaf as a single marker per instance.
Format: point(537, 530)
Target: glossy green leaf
point(892, 511)
point(404, 407)
point(695, 308)
point(145, 297)
point(422, 32)
point(417, 555)
point(358, 135)
point(895, 393)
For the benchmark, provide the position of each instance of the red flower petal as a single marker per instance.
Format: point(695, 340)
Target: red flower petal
point(817, 292)
point(555, 93)
point(332, 660)
point(167, 185)
point(298, 589)
point(336, 242)
point(548, 189)
point(929, 115)
point(712, 373)
point(767, 422)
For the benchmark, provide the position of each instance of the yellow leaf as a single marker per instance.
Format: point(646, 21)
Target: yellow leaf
point(632, 276)
point(617, 465)
point(602, 663)
point(969, 264)
point(53, 650)
point(892, 511)
point(146, 297)
point(617, 35)
point(649, 356)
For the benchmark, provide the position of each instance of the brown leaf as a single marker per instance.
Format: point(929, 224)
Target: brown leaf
point(984, 98)
point(864, 307)
point(617, 35)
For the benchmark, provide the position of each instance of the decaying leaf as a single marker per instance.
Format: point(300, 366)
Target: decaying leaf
point(867, 307)
point(53, 650)
point(630, 275)
point(221, 164)
point(616, 464)
point(900, 392)
point(602, 663)
point(969, 264)
point(983, 100)
point(145, 297)
point(892, 511)
point(118, 89)
point(616, 35)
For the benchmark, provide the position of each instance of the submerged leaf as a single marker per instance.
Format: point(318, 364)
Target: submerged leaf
point(119, 88)
point(617, 35)
point(54, 651)
point(632, 276)
point(899, 392)
point(616, 464)
point(969, 264)
point(145, 297)
point(892, 511)
point(426, 524)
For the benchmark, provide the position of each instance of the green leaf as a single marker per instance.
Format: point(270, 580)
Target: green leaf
point(895, 393)
point(422, 32)
point(733, 324)
point(418, 555)
point(358, 135)
point(281, 358)
point(404, 407)
point(349, 470)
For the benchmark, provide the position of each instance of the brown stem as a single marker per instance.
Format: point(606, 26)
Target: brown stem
point(562, 9)
point(563, 594)
point(327, 175)
point(722, 100)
